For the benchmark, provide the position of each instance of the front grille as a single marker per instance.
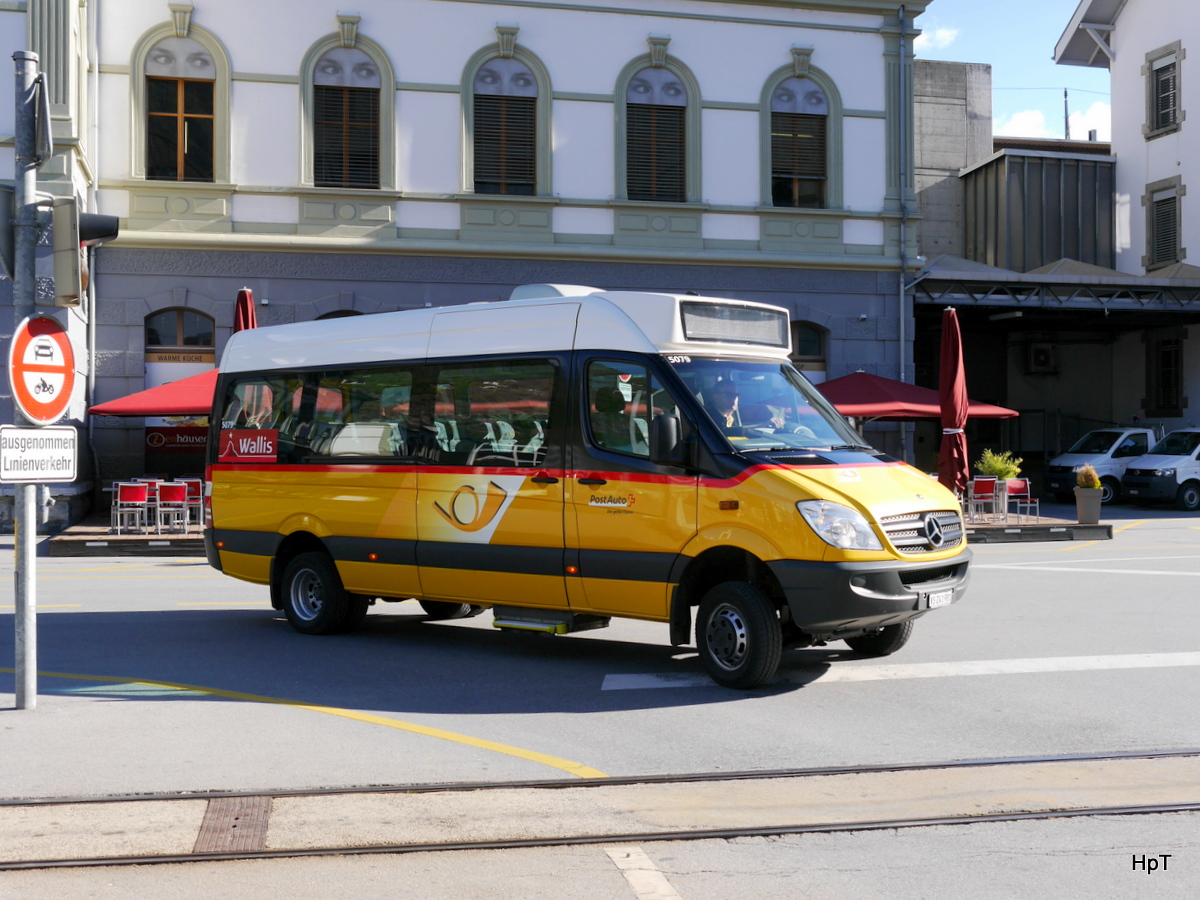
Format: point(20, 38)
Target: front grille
point(910, 533)
point(919, 578)
point(1140, 473)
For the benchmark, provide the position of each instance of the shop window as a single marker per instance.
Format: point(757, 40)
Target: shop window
point(179, 328)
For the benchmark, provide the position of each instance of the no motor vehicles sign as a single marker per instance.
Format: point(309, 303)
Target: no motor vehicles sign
point(41, 369)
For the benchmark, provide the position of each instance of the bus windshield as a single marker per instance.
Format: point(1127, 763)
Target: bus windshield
point(764, 405)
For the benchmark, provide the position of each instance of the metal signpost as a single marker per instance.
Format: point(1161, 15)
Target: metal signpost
point(30, 154)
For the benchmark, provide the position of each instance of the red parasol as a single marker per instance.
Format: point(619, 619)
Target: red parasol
point(953, 468)
point(869, 397)
point(244, 315)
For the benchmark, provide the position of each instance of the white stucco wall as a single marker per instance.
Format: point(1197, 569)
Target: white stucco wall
point(1144, 26)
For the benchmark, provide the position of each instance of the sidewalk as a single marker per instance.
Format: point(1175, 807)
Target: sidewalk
point(92, 537)
point(35, 835)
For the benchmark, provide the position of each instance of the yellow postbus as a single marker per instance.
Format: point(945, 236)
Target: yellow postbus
point(564, 457)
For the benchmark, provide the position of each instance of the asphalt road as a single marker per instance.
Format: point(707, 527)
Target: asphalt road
point(169, 677)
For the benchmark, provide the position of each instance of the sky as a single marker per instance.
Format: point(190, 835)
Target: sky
point(1017, 39)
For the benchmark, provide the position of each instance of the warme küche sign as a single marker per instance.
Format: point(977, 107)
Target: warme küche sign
point(37, 455)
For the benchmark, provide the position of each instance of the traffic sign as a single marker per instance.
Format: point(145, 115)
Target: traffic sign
point(38, 455)
point(41, 370)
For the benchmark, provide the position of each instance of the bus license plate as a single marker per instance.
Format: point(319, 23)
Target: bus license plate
point(941, 598)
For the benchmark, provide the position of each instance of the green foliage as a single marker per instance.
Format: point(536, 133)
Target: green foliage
point(1002, 465)
point(1086, 477)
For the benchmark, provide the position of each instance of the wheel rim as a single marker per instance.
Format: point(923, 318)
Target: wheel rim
point(1191, 498)
point(726, 635)
point(307, 598)
point(1107, 492)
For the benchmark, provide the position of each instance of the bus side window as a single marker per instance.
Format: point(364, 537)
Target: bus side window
point(623, 399)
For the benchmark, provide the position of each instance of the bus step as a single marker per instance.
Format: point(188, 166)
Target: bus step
point(550, 621)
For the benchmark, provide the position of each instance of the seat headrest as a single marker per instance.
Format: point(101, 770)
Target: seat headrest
point(609, 400)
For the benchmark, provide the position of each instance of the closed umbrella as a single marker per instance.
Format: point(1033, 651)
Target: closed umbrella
point(953, 469)
point(244, 315)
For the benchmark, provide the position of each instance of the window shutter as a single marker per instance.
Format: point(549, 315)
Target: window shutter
point(345, 137)
point(505, 144)
point(1165, 240)
point(655, 163)
point(1166, 96)
point(797, 159)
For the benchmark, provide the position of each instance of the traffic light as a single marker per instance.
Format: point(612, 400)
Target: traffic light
point(73, 233)
point(7, 211)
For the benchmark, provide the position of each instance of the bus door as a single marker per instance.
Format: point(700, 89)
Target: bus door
point(630, 516)
point(490, 489)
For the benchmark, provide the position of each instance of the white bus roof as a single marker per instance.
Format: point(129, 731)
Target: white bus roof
point(541, 318)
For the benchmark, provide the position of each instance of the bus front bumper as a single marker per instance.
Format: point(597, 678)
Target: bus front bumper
point(831, 600)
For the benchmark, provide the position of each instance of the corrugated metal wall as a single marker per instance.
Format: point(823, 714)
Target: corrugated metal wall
point(1024, 211)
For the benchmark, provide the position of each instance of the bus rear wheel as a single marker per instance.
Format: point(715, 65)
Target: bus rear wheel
point(738, 635)
point(313, 596)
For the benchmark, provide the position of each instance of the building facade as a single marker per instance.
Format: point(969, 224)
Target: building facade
point(429, 152)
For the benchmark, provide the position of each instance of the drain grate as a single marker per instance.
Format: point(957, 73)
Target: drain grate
point(234, 825)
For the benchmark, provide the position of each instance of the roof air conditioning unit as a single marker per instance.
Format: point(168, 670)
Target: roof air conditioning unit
point(1041, 359)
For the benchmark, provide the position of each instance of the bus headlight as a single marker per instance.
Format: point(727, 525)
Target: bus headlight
point(838, 525)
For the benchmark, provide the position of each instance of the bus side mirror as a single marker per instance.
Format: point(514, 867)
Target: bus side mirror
point(666, 441)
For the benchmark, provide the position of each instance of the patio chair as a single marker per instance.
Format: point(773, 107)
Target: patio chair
point(1017, 492)
point(171, 508)
point(195, 500)
point(130, 503)
point(982, 498)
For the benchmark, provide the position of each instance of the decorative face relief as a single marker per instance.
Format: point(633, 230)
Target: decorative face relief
point(656, 87)
point(799, 95)
point(180, 58)
point(505, 78)
point(346, 67)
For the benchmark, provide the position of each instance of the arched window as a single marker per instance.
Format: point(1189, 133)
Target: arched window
point(505, 128)
point(658, 131)
point(179, 328)
point(346, 86)
point(348, 100)
point(801, 138)
point(799, 113)
point(180, 111)
point(655, 136)
point(808, 350)
point(506, 104)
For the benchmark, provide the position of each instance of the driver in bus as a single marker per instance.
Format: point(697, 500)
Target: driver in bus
point(723, 406)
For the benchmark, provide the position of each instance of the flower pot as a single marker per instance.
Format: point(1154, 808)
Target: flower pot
point(1087, 505)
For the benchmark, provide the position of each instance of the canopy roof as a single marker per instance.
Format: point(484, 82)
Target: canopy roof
point(187, 397)
point(866, 396)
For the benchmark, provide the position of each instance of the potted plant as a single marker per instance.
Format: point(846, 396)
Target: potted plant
point(1002, 465)
point(1088, 492)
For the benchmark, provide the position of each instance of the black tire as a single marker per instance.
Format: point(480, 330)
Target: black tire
point(1110, 490)
point(884, 642)
point(439, 609)
point(1188, 498)
point(313, 596)
point(739, 635)
point(357, 606)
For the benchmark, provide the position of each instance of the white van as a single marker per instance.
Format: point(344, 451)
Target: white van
point(1170, 471)
point(1108, 451)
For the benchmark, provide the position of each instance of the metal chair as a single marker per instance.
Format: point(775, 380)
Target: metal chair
point(982, 493)
point(130, 502)
point(195, 500)
point(171, 507)
point(1016, 491)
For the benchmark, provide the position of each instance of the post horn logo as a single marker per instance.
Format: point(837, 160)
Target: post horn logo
point(467, 512)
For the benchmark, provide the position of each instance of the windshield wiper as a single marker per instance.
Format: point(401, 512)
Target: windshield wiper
point(849, 447)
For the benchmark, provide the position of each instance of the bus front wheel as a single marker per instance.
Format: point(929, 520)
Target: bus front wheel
point(313, 596)
point(738, 635)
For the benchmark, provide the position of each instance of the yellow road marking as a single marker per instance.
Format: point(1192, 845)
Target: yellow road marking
point(155, 575)
point(1130, 525)
point(222, 603)
point(566, 765)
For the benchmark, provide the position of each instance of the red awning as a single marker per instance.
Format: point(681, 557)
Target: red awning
point(867, 396)
point(187, 397)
